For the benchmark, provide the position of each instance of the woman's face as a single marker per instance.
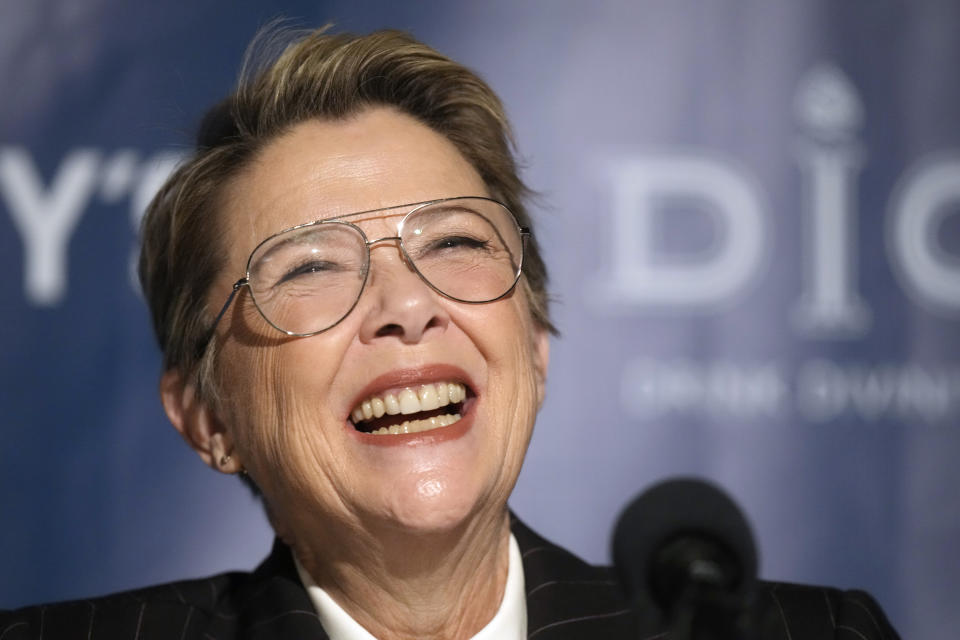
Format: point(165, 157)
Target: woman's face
point(287, 402)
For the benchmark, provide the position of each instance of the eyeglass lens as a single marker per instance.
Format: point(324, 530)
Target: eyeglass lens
point(307, 279)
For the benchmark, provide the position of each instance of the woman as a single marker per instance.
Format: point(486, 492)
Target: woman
point(353, 318)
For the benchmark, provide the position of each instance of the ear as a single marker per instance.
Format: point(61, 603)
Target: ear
point(541, 354)
point(198, 423)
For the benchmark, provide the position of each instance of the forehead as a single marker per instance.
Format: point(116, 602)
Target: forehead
point(377, 159)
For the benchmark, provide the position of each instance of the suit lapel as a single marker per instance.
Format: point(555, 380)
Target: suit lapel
point(274, 604)
point(569, 599)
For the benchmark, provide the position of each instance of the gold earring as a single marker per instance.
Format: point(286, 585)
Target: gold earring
point(224, 459)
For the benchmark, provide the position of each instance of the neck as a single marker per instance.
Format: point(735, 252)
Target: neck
point(400, 584)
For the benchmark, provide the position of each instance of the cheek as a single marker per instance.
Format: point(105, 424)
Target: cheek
point(526, 400)
point(511, 352)
point(280, 412)
point(248, 395)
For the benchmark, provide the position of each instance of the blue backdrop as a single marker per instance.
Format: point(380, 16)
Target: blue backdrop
point(751, 211)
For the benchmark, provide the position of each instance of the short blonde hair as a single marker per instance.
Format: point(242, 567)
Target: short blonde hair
point(316, 75)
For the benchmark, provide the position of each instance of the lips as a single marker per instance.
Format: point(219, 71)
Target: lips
point(411, 409)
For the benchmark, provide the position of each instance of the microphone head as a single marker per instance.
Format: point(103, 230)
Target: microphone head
point(679, 531)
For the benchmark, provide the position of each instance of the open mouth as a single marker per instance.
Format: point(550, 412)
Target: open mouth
point(410, 410)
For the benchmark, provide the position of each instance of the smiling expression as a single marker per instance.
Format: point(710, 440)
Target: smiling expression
point(301, 413)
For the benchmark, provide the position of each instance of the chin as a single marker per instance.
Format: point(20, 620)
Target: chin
point(433, 505)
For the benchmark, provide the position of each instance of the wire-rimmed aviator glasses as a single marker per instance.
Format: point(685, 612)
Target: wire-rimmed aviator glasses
point(306, 279)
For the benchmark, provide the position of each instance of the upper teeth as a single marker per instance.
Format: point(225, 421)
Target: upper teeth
point(425, 398)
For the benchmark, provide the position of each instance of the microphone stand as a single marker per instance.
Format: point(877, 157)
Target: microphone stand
point(702, 603)
point(707, 613)
point(685, 557)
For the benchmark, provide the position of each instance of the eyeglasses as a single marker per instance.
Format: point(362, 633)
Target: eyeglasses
point(306, 279)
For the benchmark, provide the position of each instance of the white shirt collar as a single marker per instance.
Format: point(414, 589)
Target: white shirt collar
point(509, 623)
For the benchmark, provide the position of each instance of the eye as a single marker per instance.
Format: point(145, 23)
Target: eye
point(458, 242)
point(310, 268)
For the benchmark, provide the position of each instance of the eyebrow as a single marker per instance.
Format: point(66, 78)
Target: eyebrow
point(412, 205)
point(302, 225)
point(453, 206)
point(280, 244)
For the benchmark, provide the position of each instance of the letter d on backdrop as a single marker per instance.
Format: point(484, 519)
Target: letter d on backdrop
point(640, 275)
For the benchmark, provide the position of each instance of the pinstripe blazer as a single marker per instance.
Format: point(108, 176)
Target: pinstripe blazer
point(566, 600)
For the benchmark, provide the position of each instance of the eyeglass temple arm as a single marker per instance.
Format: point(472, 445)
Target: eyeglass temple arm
point(525, 234)
point(242, 282)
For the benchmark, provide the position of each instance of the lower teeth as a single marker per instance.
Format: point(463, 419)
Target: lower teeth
point(416, 426)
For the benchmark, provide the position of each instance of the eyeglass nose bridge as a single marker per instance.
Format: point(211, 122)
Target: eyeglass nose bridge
point(370, 243)
point(403, 252)
point(407, 260)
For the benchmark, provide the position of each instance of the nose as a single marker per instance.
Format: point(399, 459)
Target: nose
point(396, 303)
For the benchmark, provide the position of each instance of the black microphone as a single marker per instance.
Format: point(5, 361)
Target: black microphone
point(684, 554)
